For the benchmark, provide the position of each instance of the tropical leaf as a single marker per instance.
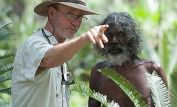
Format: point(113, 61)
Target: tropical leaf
point(173, 87)
point(159, 91)
point(5, 75)
point(6, 91)
point(5, 72)
point(6, 60)
point(126, 86)
point(6, 55)
point(84, 90)
point(6, 68)
point(164, 52)
point(4, 24)
point(4, 32)
point(173, 60)
point(3, 79)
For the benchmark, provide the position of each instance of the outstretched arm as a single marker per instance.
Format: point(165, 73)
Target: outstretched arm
point(63, 52)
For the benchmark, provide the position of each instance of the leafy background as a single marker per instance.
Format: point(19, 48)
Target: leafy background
point(156, 18)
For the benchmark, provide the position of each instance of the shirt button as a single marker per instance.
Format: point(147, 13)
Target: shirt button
point(57, 95)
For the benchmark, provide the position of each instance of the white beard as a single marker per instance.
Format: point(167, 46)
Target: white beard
point(118, 59)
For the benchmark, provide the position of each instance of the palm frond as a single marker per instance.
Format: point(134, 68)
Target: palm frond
point(6, 91)
point(2, 79)
point(5, 77)
point(4, 32)
point(84, 90)
point(6, 68)
point(6, 55)
point(173, 87)
point(173, 60)
point(4, 24)
point(126, 86)
point(159, 91)
point(164, 52)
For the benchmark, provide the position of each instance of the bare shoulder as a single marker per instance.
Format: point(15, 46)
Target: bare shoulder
point(96, 76)
point(149, 65)
point(97, 67)
point(153, 66)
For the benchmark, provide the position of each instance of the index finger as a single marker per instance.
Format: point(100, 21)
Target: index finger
point(103, 28)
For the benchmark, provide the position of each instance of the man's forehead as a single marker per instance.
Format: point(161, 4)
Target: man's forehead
point(113, 31)
point(112, 24)
point(113, 28)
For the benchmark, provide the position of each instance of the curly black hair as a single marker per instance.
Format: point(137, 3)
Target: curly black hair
point(123, 22)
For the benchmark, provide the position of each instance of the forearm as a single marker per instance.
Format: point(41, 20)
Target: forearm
point(63, 52)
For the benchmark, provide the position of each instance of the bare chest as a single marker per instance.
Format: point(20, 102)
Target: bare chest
point(136, 76)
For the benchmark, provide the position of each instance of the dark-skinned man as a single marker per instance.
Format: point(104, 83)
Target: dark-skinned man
point(122, 50)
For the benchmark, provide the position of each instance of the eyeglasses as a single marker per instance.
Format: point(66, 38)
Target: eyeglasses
point(73, 17)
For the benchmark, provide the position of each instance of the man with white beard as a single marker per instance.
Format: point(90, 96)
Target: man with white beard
point(122, 50)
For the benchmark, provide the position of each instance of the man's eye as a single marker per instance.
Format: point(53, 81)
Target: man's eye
point(71, 15)
point(108, 34)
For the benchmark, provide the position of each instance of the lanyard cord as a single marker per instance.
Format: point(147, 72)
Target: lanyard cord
point(45, 35)
point(62, 87)
point(63, 79)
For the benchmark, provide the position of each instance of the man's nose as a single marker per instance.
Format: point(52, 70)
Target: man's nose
point(76, 23)
point(114, 39)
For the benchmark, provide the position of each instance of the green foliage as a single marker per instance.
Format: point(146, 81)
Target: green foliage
point(4, 34)
point(173, 88)
point(3, 31)
point(6, 59)
point(84, 90)
point(157, 20)
point(5, 63)
point(172, 60)
point(126, 86)
point(5, 75)
point(159, 91)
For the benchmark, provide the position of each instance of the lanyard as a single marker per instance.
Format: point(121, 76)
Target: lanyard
point(47, 37)
point(65, 81)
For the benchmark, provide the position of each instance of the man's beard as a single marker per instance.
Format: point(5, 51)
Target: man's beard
point(67, 36)
point(118, 54)
point(118, 59)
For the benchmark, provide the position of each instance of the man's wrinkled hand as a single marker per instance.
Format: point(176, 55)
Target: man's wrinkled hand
point(96, 35)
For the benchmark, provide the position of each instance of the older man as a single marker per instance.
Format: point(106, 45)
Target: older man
point(40, 77)
point(122, 50)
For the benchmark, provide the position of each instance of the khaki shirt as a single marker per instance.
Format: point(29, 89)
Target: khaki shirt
point(44, 89)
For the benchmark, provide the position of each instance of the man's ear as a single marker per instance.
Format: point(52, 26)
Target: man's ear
point(50, 13)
